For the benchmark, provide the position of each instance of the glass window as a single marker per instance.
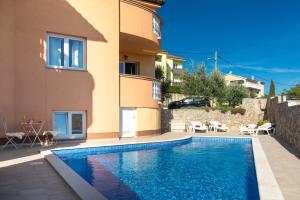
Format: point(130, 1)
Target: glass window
point(131, 68)
point(66, 52)
point(69, 124)
point(156, 90)
point(188, 100)
point(75, 53)
point(77, 124)
point(61, 123)
point(158, 58)
point(156, 26)
point(121, 67)
point(56, 51)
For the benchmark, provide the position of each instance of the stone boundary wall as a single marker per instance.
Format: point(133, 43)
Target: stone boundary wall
point(254, 112)
point(286, 115)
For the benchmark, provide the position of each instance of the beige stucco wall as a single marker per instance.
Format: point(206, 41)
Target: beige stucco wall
point(247, 84)
point(7, 83)
point(148, 119)
point(230, 77)
point(39, 90)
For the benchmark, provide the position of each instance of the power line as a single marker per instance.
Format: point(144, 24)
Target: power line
point(230, 63)
point(191, 52)
point(250, 73)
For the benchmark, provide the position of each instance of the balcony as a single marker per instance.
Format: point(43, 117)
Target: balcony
point(139, 91)
point(253, 85)
point(140, 29)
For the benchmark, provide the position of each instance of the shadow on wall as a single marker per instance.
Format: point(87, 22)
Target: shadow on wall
point(41, 90)
point(146, 46)
point(285, 114)
point(166, 118)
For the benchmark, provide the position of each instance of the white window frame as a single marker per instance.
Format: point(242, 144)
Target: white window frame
point(66, 52)
point(156, 90)
point(137, 67)
point(69, 124)
point(156, 26)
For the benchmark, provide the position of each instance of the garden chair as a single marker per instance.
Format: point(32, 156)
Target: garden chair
point(198, 126)
point(10, 136)
point(249, 129)
point(217, 126)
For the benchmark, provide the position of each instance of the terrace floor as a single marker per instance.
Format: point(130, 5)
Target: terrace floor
point(24, 174)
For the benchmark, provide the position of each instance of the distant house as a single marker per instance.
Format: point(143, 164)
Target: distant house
point(171, 65)
point(258, 87)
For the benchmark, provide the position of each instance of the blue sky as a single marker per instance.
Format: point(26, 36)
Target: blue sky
point(257, 37)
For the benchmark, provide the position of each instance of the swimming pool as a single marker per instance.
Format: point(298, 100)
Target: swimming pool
point(194, 168)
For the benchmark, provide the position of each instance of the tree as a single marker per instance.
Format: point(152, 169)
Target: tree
point(272, 89)
point(235, 94)
point(195, 83)
point(293, 92)
point(159, 73)
point(217, 85)
point(253, 95)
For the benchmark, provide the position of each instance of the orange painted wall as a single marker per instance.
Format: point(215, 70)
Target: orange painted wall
point(7, 81)
point(136, 29)
point(39, 90)
point(28, 87)
point(137, 92)
point(146, 63)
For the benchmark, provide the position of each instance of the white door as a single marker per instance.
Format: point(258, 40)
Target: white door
point(128, 122)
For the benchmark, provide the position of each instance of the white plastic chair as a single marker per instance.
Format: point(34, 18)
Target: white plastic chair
point(198, 126)
point(265, 127)
point(217, 126)
point(10, 136)
point(249, 129)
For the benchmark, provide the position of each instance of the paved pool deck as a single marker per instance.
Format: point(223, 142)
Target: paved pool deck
point(24, 174)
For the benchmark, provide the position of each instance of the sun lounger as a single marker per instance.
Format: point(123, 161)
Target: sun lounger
point(217, 126)
point(198, 126)
point(249, 129)
point(267, 127)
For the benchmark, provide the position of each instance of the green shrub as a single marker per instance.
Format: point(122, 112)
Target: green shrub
point(206, 108)
point(241, 111)
point(175, 89)
point(262, 122)
point(224, 109)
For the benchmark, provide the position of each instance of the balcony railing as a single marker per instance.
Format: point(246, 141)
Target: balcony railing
point(139, 91)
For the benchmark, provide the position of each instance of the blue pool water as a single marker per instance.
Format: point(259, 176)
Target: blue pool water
point(198, 168)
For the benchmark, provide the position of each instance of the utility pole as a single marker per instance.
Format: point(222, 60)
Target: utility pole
point(216, 60)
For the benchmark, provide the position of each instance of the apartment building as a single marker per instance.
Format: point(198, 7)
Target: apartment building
point(171, 65)
point(258, 87)
point(85, 67)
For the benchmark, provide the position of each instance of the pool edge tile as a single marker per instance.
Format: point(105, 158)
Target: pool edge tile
point(82, 188)
point(267, 184)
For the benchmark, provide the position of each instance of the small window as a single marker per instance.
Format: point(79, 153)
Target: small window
point(69, 124)
point(129, 68)
point(188, 100)
point(156, 90)
point(158, 58)
point(66, 52)
point(156, 26)
point(175, 65)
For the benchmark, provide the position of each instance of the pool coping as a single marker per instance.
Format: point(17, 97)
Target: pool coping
point(267, 184)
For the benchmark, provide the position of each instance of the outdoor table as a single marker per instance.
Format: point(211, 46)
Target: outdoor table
point(33, 128)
